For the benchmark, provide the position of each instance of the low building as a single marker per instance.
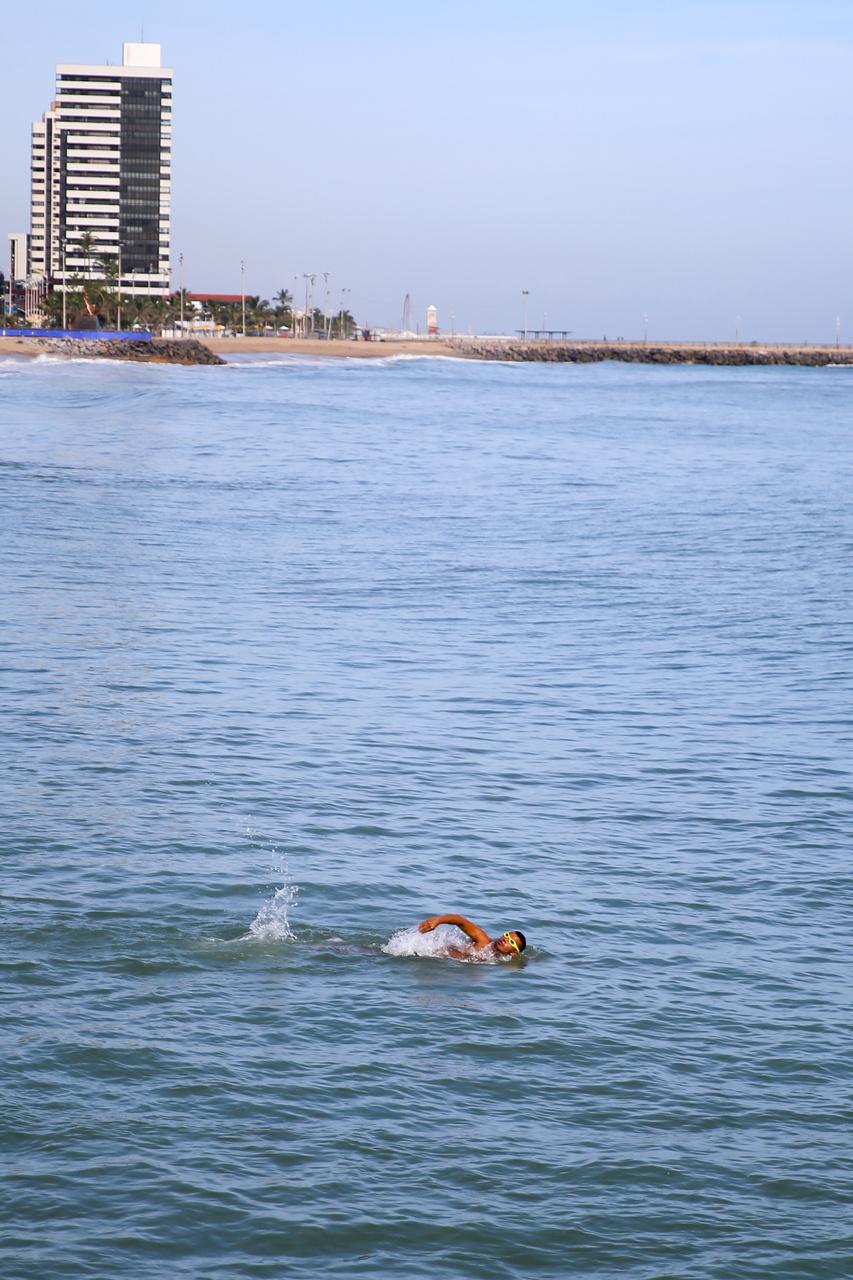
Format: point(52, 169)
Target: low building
point(18, 255)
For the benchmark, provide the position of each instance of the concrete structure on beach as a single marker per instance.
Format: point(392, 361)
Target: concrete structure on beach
point(101, 176)
point(704, 353)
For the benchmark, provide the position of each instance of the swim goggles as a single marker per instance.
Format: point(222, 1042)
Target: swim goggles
point(513, 942)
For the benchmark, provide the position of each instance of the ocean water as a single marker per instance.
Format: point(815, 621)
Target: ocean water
point(297, 653)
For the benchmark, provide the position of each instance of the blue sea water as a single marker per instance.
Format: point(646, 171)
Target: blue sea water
point(295, 653)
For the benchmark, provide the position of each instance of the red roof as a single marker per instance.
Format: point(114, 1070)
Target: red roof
point(214, 297)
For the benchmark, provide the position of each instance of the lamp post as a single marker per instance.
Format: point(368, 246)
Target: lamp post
point(243, 293)
point(309, 276)
point(181, 287)
point(645, 328)
point(328, 324)
point(525, 293)
point(64, 291)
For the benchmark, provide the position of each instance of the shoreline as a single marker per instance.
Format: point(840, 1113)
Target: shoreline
point(498, 349)
point(10, 346)
point(338, 347)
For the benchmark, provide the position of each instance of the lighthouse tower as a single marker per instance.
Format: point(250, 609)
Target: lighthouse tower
point(432, 321)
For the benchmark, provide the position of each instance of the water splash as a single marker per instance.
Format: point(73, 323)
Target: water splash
point(435, 944)
point(272, 921)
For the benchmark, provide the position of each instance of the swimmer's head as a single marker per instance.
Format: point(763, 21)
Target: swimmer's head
point(511, 943)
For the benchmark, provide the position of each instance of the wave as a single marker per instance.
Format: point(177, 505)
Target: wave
point(275, 358)
point(294, 360)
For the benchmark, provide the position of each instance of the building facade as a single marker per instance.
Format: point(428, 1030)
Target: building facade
point(101, 176)
point(18, 255)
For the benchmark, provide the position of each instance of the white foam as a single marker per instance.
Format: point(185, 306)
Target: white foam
point(435, 944)
point(295, 360)
point(401, 357)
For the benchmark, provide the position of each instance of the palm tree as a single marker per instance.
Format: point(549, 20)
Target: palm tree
point(283, 313)
point(87, 244)
point(109, 293)
point(343, 324)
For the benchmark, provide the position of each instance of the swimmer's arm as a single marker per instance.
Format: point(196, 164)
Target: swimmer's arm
point(477, 935)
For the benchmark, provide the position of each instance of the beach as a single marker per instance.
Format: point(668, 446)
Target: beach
point(19, 347)
point(279, 346)
point(332, 347)
point(579, 351)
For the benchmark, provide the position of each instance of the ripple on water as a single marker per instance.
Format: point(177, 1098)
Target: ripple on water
point(559, 648)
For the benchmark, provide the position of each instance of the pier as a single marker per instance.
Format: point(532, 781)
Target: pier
point(590, 351)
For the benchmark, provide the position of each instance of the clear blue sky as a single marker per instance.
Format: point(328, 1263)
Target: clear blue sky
point(688, 161)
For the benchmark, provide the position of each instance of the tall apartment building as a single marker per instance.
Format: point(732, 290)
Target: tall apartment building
point(101, 175)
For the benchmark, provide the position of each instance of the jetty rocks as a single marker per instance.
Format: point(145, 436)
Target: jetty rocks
point(663, 353)
point(150, 350)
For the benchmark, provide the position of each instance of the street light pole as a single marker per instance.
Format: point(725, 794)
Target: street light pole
point(243, 292)
point(309, 276)
point(64, 290)
point(525, 293)
point(181, 286)
point(118, 304)
point(342, 332)
point(328, 325)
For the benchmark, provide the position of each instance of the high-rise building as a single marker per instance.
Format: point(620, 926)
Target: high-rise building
point(101, 175)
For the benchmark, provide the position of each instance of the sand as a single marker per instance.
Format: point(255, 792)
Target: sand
point(334, 347)
point(279, 346)
point(19, 347)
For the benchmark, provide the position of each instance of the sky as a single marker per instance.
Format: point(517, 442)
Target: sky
point(680, 169)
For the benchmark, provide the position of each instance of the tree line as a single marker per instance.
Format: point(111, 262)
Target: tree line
point(95, 301)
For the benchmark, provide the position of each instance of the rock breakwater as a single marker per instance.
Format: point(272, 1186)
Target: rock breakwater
point(663, 353)
point(150, 350)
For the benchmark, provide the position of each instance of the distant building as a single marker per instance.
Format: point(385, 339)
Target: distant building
point(18, 255)
point(101, 165)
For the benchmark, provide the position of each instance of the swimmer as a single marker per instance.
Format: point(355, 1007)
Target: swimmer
point(510, 944)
